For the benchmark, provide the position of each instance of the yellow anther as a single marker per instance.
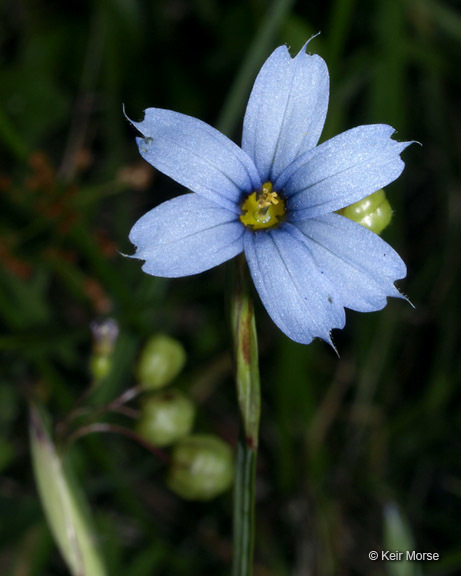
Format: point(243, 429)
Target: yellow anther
point(263, 209)
point(266, 197)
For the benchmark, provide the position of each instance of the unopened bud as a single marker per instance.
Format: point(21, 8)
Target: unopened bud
point(373, 212)
point(202, 467)
point(105, 333)
point(162, 359)
point(166, 417)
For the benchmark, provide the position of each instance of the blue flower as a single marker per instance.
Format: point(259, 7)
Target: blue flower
point(275, 199)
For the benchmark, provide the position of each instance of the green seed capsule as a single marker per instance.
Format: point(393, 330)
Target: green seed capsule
point(165, 418)
point(202, 467)
point(373, 212)
point(161, 360)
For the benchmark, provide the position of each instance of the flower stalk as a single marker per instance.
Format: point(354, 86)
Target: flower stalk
point(249, 401)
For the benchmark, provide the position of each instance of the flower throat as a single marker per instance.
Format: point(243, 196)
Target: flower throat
point(263, 208)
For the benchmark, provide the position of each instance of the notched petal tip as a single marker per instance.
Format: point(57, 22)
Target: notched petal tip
point(287, 49)
point(126, 255)
point(406, 143)
point(403, 296)
point(135, 256)
point(138, 255)
point(138, 126)
point(303, 49)
point(127, 117)
point(330, 340)
point(402, 144)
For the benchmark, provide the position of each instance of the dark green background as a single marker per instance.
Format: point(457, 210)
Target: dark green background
point(342, 441)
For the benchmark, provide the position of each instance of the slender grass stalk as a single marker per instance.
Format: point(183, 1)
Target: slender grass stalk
point(249, 400)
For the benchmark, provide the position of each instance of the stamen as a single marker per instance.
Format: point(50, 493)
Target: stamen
point(263, 208)
point(266, 197)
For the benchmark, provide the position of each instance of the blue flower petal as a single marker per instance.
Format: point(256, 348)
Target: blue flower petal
point(342, 171)
point(197, 156)
point(286, 110)
point(361, 266)
point(298, 296)
point(185, 236)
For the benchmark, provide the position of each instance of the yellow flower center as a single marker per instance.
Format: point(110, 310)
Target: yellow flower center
point(263, 209)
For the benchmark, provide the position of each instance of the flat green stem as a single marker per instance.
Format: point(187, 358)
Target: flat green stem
point(249, 400)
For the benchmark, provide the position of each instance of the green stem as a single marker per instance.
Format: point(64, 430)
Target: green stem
point(249, 400)
point(244, 510)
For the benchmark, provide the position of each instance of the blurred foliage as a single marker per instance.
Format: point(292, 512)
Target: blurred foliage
point(343, 441)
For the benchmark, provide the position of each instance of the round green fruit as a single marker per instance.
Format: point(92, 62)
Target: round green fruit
point(202, 467)
point(165, 418)
point(161, 360)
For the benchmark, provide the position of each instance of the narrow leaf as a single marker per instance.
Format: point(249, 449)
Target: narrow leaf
point(64, 505)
